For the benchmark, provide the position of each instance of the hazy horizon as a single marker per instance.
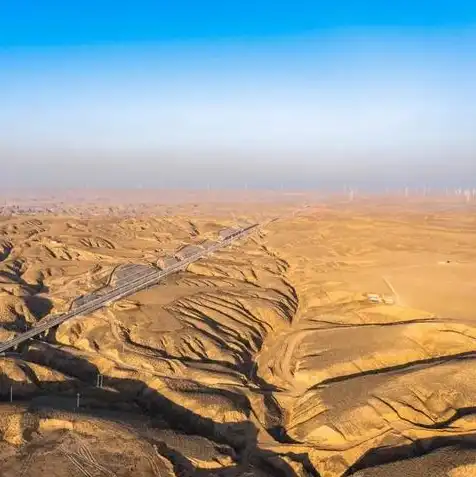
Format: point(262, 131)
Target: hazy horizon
point(358, 100)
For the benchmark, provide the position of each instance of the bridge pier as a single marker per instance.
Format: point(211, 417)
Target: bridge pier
point(118, 292)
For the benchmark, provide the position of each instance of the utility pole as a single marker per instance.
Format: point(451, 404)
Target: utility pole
point(11, 393)
point(77, 400)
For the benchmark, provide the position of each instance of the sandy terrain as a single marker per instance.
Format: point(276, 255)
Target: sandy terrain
point(266, 359)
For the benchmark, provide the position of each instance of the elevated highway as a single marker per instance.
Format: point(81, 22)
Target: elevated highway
point(137, 282)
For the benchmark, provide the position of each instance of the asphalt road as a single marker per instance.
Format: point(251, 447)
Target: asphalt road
point(133, 286)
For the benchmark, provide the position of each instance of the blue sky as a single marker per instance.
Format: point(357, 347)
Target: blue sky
point(189, 93)
point(47, 22)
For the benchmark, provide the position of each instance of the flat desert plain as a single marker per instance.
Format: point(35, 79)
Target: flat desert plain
point(268, 358)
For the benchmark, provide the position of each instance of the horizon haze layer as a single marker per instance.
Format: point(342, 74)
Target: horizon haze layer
point(322, 100)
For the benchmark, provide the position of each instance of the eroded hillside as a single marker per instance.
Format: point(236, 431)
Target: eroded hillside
point(265, 359)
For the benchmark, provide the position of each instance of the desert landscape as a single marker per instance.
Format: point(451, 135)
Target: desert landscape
point(338, 340)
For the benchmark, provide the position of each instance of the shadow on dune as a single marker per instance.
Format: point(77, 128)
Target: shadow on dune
point(237, 439)
point(39, 306)
point(11, 277)
point(398, 368)
point(5, 251)
point(388, 455)
point(121, 398)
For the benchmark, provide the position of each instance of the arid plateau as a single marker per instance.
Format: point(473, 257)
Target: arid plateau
point(336, 341)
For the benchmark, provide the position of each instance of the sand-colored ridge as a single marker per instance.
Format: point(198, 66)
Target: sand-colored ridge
point(265, 359)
